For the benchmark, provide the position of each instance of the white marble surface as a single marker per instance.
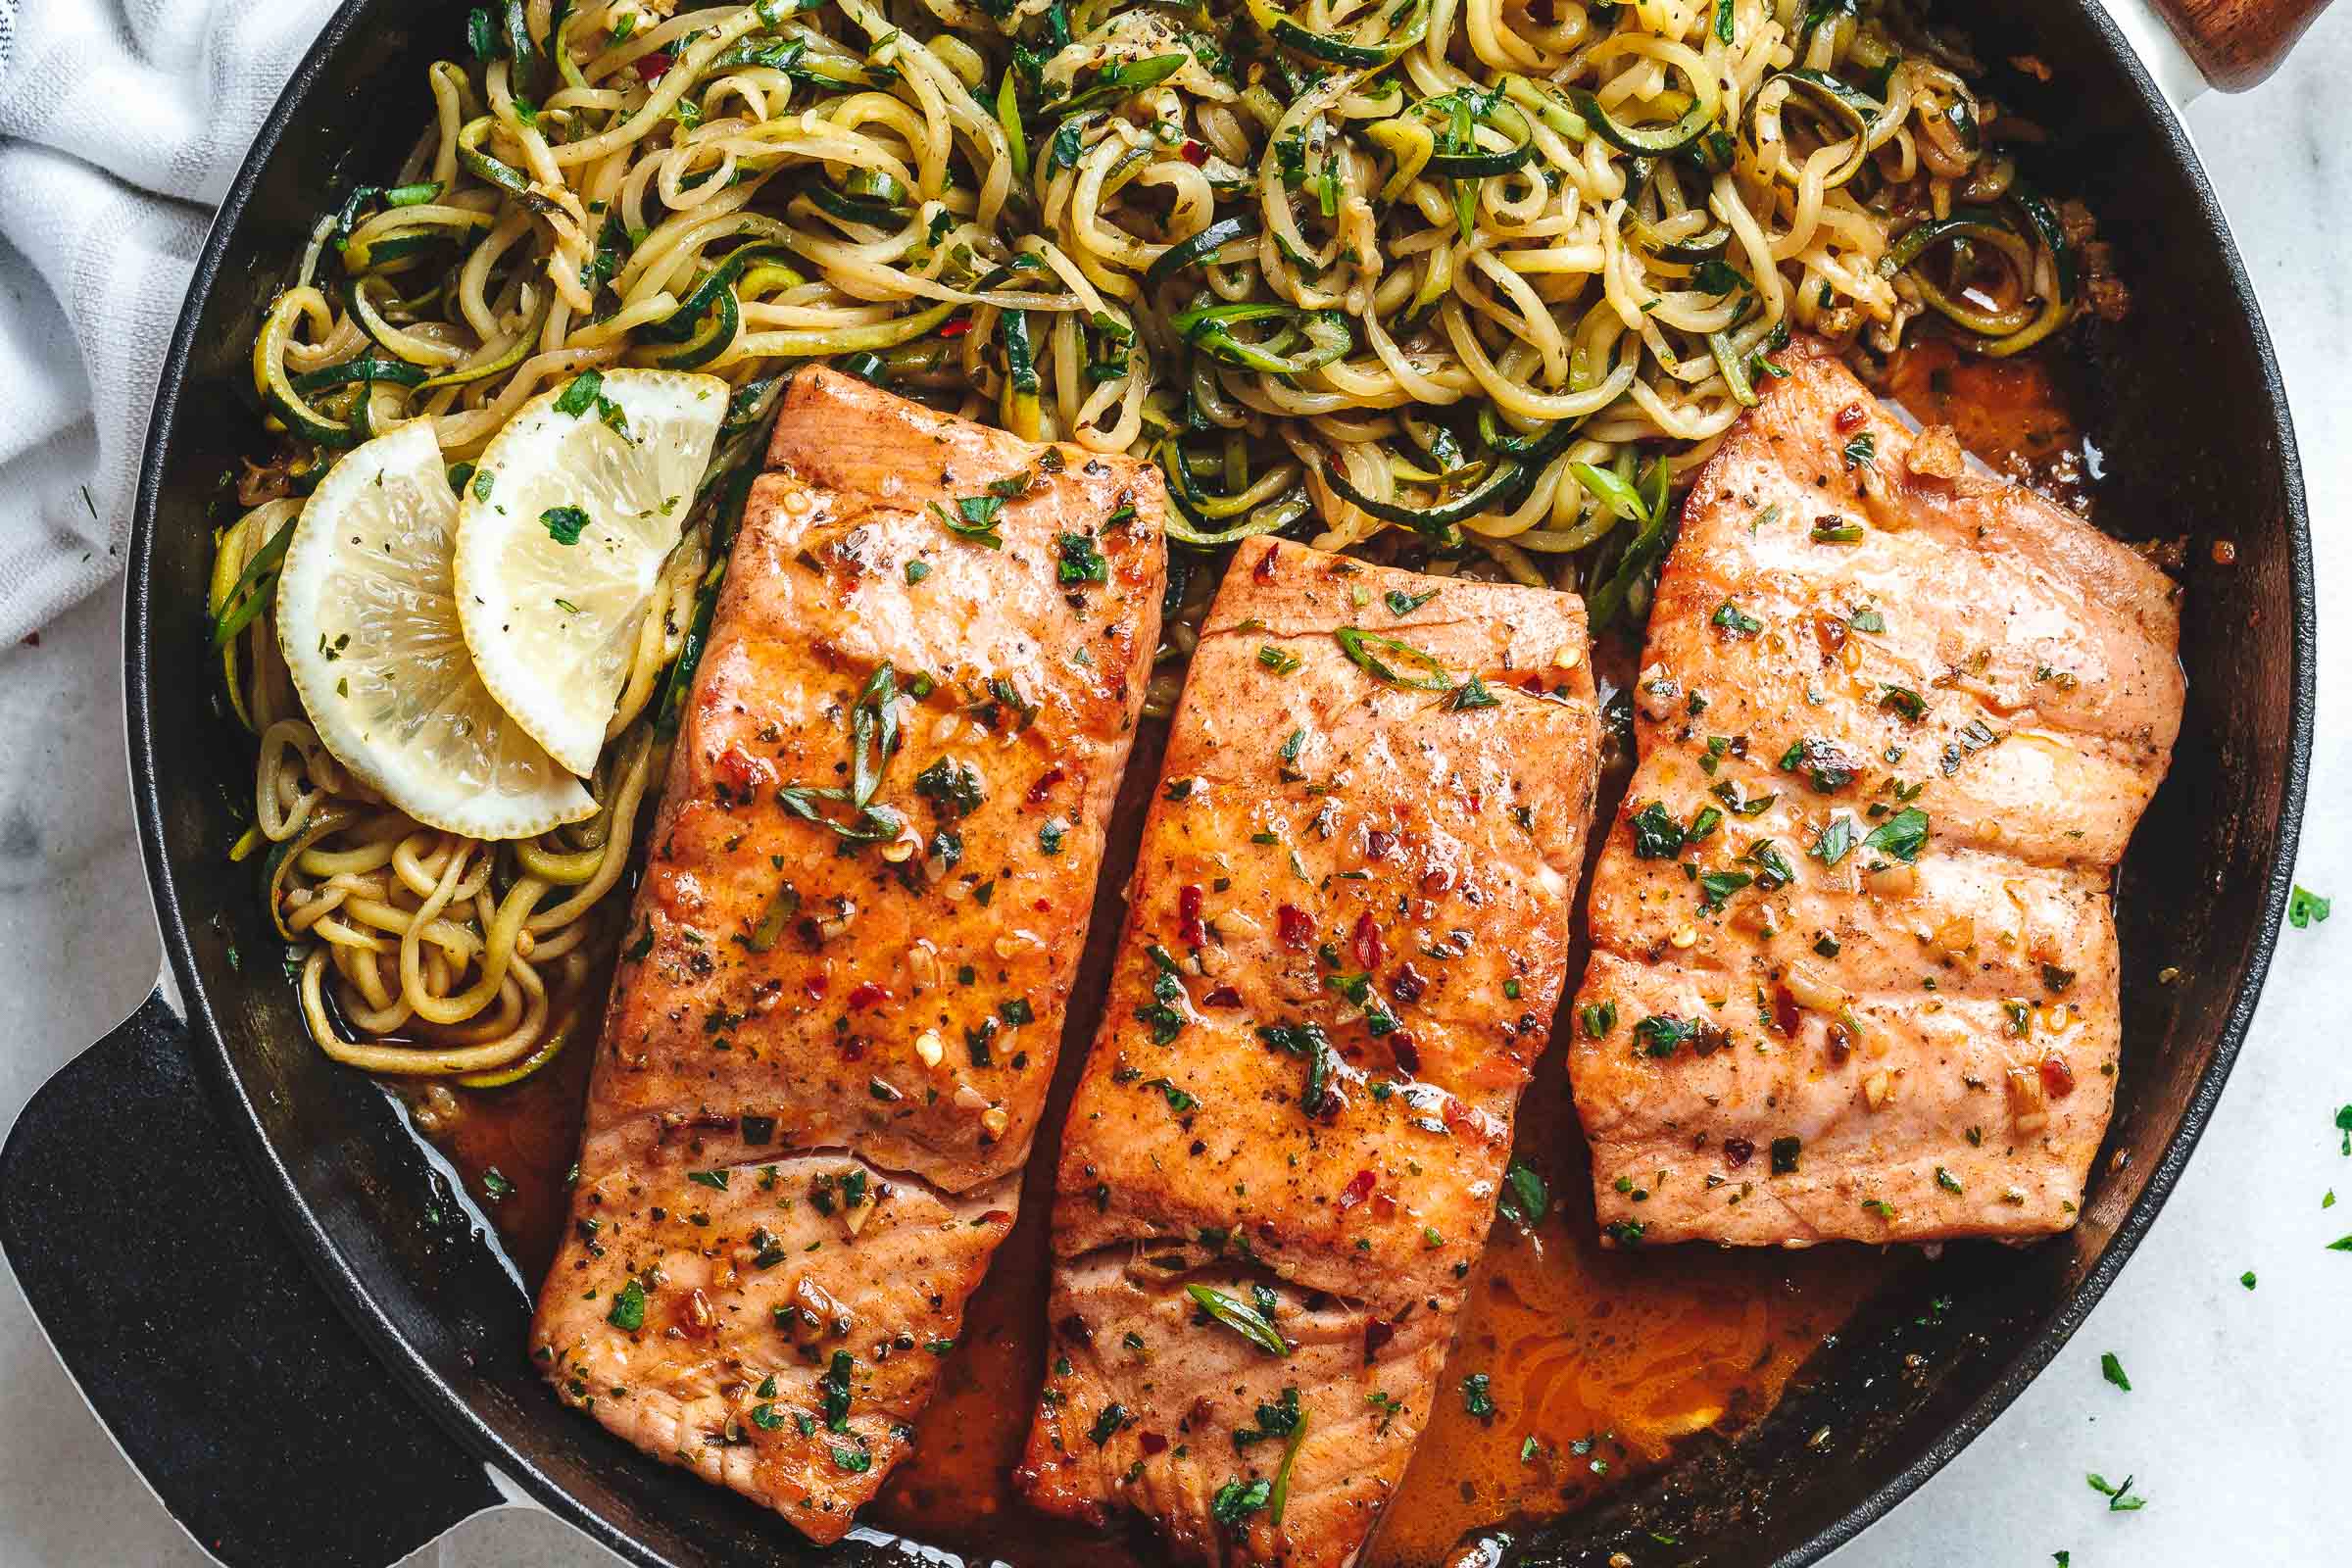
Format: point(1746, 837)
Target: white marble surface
point(2240, 1424)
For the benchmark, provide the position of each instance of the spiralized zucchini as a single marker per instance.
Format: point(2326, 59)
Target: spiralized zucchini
point(1468, 282)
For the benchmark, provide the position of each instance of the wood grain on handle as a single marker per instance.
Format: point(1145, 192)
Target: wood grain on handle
point(2237, 43)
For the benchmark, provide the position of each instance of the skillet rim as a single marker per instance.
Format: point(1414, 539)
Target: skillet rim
point(393, 1347)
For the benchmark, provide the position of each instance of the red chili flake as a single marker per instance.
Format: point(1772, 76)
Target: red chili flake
point(956, 329)
point(1850, 418)
point(1298, 928)
point(1408, 983)
point(1408, 1054)
point(1195, 154)
point(1378, 844)
point(1365, 941)
point(1384, 1207)
point(740, 772)
point(1476, 802)
point(1222, 996)
point(1435, 881)
point(2056, 1076)
point(1785, 1014)
point(817, 985)
point(868, 995)
point(1189, 928)
point(1736, 1152)
point(1263, 572)
point(1151, 1443)
point(1045, 906)
point(1357, 1190)
point(996, 1216)
point(656, 65)
point(1045, 785)
point(1377, 1333)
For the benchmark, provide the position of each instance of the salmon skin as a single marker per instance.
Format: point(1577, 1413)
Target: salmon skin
point(842, 986)
point(1855, 969)
point(1345, 937)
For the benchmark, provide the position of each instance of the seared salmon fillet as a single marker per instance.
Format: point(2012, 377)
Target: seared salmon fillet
point(842, 991)
point(1854, 969)
point(1347, 935)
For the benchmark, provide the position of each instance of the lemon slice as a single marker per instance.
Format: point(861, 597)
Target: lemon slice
point(367, 619)
point(561, 540)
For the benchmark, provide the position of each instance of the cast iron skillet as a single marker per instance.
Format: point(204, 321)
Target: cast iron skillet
point(203, 1214)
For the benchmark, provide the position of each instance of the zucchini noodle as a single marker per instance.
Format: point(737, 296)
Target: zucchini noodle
point(1473, 284)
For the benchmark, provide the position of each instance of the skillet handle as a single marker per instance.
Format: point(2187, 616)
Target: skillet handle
point(2237, 43)
point(192, 1328)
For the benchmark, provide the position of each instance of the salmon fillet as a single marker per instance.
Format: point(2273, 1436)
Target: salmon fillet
point(841, 996)
point(1347, 935)
point(1855, 969)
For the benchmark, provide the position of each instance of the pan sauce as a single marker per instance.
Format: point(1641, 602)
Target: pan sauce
point(1598, 1362)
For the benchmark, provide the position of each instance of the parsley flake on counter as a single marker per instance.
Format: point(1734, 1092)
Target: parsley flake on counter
point(2246, 1279)
point(2304, 907)
point(2118, 1498)
point(2111, 1369)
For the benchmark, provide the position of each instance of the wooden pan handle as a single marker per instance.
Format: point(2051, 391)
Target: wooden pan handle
point(2237, 43)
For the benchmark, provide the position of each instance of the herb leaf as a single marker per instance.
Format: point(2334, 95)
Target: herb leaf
point(1239, 1316)
point(2111, 1369)
point(564, 525)
point(1366, 648)
point(2304, 907)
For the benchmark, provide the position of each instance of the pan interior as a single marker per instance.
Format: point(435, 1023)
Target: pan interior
point(1902, 1389)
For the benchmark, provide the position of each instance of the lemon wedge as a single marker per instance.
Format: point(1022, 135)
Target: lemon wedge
point(561, 539)
point(367, 621)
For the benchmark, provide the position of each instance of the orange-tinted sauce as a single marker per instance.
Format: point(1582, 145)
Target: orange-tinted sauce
point(2015, 414)
point(1598, 1362)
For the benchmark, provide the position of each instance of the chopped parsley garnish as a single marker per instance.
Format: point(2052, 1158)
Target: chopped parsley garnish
point(2111, 1369)
point(1861, 449)
point(1732, 619)
point(1107, 1424)
point(1824, 766)
point(1178, 1101)
point(1402, 603)
point(1784, 1151)
point(1904, 701)
point(564, 525)
point(628, 1307)
point(1081, 561)
point(495, 1184)
point(1834, 531)
point(1235, 1502)
point(1867, 619)
point(1472, 692)
point(1598, 1018)
point(716, 1180)
point(1947, 1181)
point(1163, 1014)
point(1475, 1398)
point(917, 571)
point(1049, 835)
point(1715, 888)
point(953, 788)
point(2118, 1498)
point(1656, 835)
point(1661, 1032)
point(1903, 835)
point(975, 521)
point(2304, 907)
point(1525, 1198)
point(1837, 841)
point(834, 1386)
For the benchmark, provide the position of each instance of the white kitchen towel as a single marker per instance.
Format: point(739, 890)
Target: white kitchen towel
point(122, 122)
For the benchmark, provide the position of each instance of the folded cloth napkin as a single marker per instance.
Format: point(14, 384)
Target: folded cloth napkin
point(122, 122)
